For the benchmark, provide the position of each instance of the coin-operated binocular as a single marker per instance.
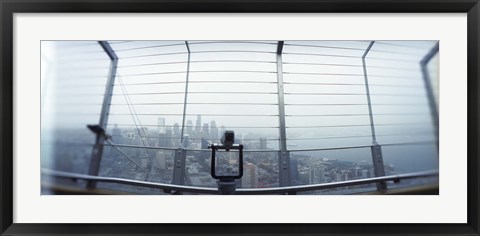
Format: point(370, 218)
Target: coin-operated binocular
point(227, 163)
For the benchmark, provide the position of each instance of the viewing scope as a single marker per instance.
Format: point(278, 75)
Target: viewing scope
point(227, 163)
point(228, 144)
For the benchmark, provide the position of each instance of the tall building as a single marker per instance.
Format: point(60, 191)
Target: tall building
point(198, 125)
point(117, 135)
point(186, 141)
point(213, 130)
point(262, 144)
point(165, 138)
point(189, 127)
point(250, 176)
point(205, 131)
point(176, 135)
point(161, 125)
point(317, 174)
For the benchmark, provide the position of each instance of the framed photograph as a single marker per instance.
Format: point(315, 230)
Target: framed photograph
point(256, 118)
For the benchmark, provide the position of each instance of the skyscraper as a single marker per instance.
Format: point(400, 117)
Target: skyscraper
point(213, 130)
point(117, 135)
point(189, 127)
point(176, 135)
point(161, 125)
point(198, 125)
point(205, 131)
point(262, 144)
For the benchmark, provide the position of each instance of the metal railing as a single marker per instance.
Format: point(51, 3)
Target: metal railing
point(244, 191)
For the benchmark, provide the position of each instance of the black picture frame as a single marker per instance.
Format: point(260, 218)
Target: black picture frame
point(9, 7)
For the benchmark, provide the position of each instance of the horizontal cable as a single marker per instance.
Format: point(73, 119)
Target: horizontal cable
point(154, 46)
point(209, 92)
point(363, 94)
point(196, 103)
point(232, 51)
point(247, 139)
point(244, 127)
point(333, 74)
point(398, 94)
point(402, 114)
point(346, 84)
point(320, 64)
point(399, 104)
point(201, 81)
point(391, 68)
point(321, 46)
point(325, 104)
point(204, 61)
point(396, 52)
point(150, 83)
point(331, 137)
point(139, 146)
point(210, 71)
point(396, 86)
point(359, 136)
point(233, 61)
point(232, 71)
point(119, 42)
point(186, 149)
point(374, 114)
point(325, 126)
point(329, 148)
point(153, 73)
point(318, 54)
point(401, 124)
point(179, 114)
point(153, 93)
point(425, 142)
point(394, 76)
point(355, 125)
point(401, 45)
point(157, 54)
point(392, 59)
point(152, 64)
point(226, 42)
point(357, 84)
point(304, 115)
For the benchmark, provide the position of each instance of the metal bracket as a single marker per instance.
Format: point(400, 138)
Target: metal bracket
point(284, 168)
point(179, 167)
point(378, 166)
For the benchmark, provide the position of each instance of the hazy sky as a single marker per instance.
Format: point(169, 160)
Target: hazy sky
point(235, 84)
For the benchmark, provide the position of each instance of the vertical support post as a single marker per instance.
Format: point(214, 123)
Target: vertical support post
point(179, 166)
point(186, 93)
point(429, 90)
point(377, 158)
point(378, 167)
point(283, 155)
point(367, 88)
point(181, 153)
point(97, 151)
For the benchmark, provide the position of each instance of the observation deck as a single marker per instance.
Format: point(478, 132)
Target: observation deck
point(315, 117)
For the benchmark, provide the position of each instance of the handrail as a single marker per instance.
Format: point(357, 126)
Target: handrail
point(252, 191)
